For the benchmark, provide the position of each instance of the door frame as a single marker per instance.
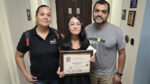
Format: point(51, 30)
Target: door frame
point(7, 45)
point(62, 12)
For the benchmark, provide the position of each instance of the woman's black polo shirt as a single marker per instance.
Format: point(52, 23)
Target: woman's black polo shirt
point(44, 54)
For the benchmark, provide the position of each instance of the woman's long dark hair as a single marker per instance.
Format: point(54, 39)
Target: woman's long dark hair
point(67, 45)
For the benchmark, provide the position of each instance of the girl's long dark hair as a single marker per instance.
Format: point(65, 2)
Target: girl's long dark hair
point(67, 45)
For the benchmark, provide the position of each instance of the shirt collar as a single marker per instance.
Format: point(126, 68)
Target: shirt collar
point(33, 31)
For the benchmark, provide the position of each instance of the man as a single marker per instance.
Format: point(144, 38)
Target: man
point(107, 39)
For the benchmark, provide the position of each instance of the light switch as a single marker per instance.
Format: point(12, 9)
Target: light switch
point(28, 14)
point(132, 41)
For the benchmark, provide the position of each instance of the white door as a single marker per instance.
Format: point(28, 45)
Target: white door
point(4, 71)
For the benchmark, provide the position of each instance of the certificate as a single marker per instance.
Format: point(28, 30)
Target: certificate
point(76, 62)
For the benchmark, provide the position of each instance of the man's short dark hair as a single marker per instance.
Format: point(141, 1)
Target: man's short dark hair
point(102, 2)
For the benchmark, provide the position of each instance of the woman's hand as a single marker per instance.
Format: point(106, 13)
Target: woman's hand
point(60, 74)
point(30, 78)
point(92, 59)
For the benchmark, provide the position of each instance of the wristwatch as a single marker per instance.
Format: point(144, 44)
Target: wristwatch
point(119, 74)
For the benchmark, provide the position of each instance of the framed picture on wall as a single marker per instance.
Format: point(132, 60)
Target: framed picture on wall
point(133, 3)
point(123, 14)
point(131, 18)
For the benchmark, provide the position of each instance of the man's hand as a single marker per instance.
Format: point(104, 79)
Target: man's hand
point(116, 79)
point(92, 59)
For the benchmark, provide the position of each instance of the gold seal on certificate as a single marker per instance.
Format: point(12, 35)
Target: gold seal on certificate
point(76, 62)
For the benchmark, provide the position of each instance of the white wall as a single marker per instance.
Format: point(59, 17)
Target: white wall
point(133, 32)
point(109, 18)
point(4, 71)
point(17, 24)
point(93, 3)
point(33, 7)
point(116, 12)
point(9, 68)
point(54, 14)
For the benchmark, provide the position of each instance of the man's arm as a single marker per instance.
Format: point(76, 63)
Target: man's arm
point(20, 62)
point(121, 63)
point(121, 60)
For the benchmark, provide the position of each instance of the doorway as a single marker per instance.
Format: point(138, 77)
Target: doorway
point(64, 8)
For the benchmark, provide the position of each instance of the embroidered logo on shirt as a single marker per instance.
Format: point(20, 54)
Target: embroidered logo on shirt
point(96, 40)
point(53, 41)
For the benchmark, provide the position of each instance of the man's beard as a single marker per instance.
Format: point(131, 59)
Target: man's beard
point(99, 23)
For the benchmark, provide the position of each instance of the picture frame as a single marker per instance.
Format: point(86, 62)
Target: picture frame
point(123, 14)
point(133, 3)
point(131, 18)
point(75, 62)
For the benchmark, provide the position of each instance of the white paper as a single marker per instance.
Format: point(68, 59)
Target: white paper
point(91, 48)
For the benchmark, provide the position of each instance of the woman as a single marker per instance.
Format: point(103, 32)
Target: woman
point(42, 43)
point(74, 39)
